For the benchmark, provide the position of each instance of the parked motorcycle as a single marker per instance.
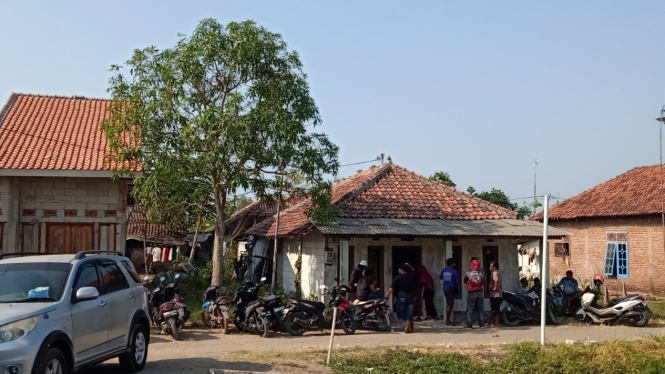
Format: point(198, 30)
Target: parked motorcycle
point(215, 312)
point(527, 308)
point(374, 314)
point(574, 302)
point(167, 309)
point(632, 309)
point(250, 313)
point(303, 315)
point(274, 312)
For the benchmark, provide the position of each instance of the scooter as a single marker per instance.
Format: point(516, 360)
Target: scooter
point(632, 308)
point(250, 313)
point(526, 308)
point(215, 311)
point(167, 308)
point(302, 315)
point(373, 314)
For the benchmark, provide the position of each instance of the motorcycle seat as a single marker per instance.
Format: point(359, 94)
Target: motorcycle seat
point(622, 299)
point(316, 304)
point(357, 303)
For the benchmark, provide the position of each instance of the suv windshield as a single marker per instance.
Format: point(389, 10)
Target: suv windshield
point(32, 281)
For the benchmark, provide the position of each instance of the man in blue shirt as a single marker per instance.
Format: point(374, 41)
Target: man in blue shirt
point(450, 281)
point(570, 287)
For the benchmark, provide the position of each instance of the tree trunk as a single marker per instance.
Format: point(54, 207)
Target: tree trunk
point(145, 246)
point(195, 240)
point(218, 242)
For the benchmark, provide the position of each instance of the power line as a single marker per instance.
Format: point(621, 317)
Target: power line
point(378, 158)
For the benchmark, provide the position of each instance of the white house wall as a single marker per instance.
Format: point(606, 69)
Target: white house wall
point(316, 273)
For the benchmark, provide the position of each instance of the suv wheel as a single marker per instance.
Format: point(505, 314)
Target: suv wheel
point(138, 351)
point(51, 362)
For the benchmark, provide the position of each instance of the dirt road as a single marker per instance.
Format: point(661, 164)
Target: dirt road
point(202, 349)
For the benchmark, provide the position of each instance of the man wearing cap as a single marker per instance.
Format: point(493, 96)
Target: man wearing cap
point(357, 273)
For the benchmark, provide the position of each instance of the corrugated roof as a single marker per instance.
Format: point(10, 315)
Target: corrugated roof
point(436, 227)
point(137, 227)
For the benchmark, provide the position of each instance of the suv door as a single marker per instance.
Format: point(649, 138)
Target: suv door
point(120, 299)
point(90, 319)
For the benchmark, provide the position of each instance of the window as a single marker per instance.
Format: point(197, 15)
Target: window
point(561, 250)
point(616, 255)
point(112, 278)
point(86, 277)
point(131, 270)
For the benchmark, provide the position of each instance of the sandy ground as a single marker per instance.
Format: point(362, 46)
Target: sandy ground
point(199, 350)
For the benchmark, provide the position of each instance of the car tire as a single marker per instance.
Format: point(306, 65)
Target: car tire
point(135, 360)
point(51, 361)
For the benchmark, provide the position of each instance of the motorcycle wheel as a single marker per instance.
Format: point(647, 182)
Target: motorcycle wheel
point(174, 329)
point(264, 326)
point(205, 316)
point(552, 318)
point(509, 319)
point(348, 323)
point(643, 321)
point(385, 323)
point(237, 324)
point(292, 327)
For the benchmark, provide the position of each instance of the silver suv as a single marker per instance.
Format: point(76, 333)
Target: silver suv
point(59, 313)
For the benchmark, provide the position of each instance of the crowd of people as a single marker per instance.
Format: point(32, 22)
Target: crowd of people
point(411, 282)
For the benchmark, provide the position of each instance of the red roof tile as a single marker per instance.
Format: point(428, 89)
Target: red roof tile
point(53, 133)
point(634, 193)
point(388, 191)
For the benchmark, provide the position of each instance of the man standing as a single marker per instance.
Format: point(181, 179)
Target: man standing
point(356, 275)
point(405, 284)
point(570, 286)
point(450, 281)
point(474, 279)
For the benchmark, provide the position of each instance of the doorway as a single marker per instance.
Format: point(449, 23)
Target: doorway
point(375, 262)
point(412, 255)
point(490, 253)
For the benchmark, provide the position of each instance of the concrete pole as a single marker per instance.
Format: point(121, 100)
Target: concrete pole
point(544, 273)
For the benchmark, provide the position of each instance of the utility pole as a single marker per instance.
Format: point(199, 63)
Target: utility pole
point(544, 273)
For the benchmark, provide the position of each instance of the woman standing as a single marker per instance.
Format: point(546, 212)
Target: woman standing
point(406, 284)
point(427, 292)
point(496, 293)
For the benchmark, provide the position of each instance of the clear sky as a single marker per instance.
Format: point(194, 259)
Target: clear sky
point(478, 89)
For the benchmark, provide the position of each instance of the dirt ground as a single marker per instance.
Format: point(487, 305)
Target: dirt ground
point(199, 350)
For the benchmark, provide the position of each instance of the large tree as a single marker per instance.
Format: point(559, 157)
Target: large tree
point(443, 177)
point(229, 105)
point(500, 198)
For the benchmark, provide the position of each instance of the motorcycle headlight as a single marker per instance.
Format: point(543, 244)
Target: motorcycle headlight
point(18, 329)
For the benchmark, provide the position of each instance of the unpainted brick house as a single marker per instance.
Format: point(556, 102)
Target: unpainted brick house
point(615, 229)
point(388, 215)
point(56, 191)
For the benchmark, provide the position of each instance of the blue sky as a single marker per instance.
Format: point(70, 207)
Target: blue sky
point(478, 89)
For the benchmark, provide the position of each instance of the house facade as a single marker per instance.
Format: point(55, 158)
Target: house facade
point(389, 215)
point(616, 229)
point(56, 191)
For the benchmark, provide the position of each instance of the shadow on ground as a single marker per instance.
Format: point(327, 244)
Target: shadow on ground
point(181, 365)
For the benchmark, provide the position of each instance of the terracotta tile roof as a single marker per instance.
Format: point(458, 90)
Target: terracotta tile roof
point(634, 193)
point(53, 133)
point(155, 233)
point(388, 191)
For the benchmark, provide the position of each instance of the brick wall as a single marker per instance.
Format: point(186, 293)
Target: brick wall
point(587, 244)
point(96, 201)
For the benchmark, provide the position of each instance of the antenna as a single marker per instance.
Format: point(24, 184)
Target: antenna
point(535, 204)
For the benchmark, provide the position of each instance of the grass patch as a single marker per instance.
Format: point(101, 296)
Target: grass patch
point(658, 309)
point(634, 356)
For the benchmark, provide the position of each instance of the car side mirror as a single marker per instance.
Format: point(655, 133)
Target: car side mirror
point(87, 293)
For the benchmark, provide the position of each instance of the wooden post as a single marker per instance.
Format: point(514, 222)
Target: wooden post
point(332, 334)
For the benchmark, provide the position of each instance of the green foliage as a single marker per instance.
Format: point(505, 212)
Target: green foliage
point(443, 177)
point(298, 273)
point(637, 356)
point(658, 309)
point(227, 108)
point(236, 203)
point(500, 198)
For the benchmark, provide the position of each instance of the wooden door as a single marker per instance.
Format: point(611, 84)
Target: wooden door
point(375, 262)
point(490, 253)
point(457, 256)
point(63, 238)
